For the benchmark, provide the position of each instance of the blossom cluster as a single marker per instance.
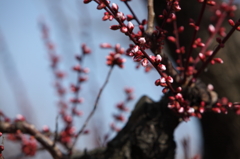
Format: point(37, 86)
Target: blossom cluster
point(114, 57)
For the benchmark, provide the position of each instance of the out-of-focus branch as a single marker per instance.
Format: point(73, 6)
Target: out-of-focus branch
point(24, 127)
point(56, 132)
point(93, 110)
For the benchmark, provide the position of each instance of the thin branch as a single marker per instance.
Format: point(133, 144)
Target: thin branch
point(56, 131)
point(47, 143)
point(177, 42)
point(220, 45)
point(130, 9)
point(194, 37)
point(93, 110)
point(78, 83)
point(211, 38)
point(151, 16)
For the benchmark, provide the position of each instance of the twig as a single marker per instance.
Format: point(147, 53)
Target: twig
point(56, 132)
point(211, 38)
point(93, 110)
point(217, 49)
point(78, 83)
point(194, 36)
point(130, 9)
point(177, 42)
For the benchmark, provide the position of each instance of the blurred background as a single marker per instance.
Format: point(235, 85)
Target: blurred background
point(27, 81)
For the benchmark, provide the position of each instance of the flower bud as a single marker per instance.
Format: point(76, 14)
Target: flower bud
point(144, 62)
point(201, 56)
point(115, 7)
point(158, 58)
point(115, 27)
point(129, 17)
point(211, 29)
point(162, 67)
point(172, 39)
point(130, 26)
point(124, 29)
point(86, 1)
point(101, 6)
point(142, 40)
point(231, 22)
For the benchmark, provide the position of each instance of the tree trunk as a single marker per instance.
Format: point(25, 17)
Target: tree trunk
point(148, 134)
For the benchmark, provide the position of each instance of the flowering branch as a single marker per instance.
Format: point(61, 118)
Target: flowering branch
point(220, 45)
point(93, 110)
point(24, 127)
point(80, 79)
point(213, 30)
point(196, 28)
point(130, 9)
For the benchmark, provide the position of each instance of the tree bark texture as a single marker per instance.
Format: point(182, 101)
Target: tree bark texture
point(148, 134)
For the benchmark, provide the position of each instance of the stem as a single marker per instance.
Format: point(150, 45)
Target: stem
point(210, 39)
point(130, 9)
point(93, 110)
point(115, 121)
point(217, 49)
point(168, 14)
point(177, 42)
point(194, 37)
point(56, 132)
point(78, 84)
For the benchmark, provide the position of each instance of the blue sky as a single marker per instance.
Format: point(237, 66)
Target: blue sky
point(24, 63)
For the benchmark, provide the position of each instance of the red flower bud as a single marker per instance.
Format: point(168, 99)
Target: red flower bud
point(115, 7)
point(124, 29)
point(218, 60)
point(211, 29)
point(211, 3)
point(172, 39)
point(86, 1)
point(231, 22)
point(101, 6)
point(115, 27)
point(130, 26)
point(129, 17)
